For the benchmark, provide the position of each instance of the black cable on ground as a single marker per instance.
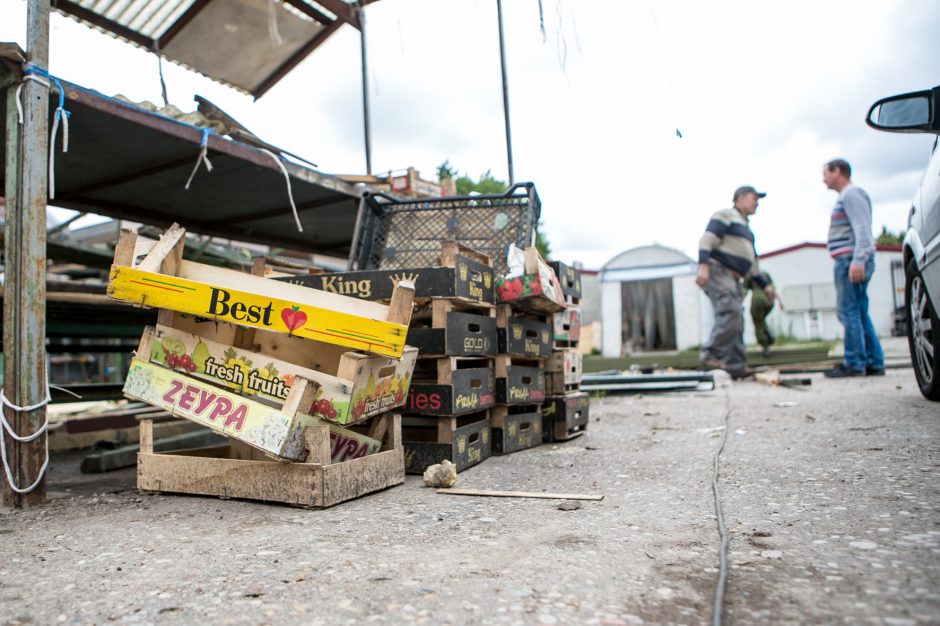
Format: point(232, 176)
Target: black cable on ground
point(722, 532)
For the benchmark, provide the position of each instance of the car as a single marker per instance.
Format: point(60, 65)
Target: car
point(919, 112)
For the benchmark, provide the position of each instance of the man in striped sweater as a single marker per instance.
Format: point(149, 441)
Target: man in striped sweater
point(852, 248)
point(726, 255)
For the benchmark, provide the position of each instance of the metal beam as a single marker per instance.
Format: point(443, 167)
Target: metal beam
point(342, 10)
point(66, 6)
point(366, 113)
point(24, 313)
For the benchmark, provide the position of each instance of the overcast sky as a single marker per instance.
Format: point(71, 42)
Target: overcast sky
point(763, 93)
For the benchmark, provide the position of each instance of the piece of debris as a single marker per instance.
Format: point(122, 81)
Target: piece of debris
point(713, 429)
point(570, 505)
point(786, 405)
point(443, 474)
point(810, 418)
point(521, 494)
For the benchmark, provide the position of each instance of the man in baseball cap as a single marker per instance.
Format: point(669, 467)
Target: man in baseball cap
point(726, 254)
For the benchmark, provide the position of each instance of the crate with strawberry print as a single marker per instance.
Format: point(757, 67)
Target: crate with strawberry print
point(536, 290)
point(515, 427)
point(350, 386)
point(451, 386)
point(163, 280)
point(463, 440)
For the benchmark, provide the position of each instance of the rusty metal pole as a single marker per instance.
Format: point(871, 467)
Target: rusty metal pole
point(366, 112)
point(24, 302)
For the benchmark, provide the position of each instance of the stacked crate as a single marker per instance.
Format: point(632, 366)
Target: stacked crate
point(447, 415)
point(310, 380)
point(565, 411)
point(447, 409)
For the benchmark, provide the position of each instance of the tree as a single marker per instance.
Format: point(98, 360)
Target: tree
point(887, 236)
point(486, 184)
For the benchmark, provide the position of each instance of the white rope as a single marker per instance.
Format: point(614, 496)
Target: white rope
point(19, 91)
point(290, 194)
point(273, 31)
point(202, 158)
point(6, 429)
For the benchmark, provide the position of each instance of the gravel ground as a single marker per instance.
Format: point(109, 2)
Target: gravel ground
point(830, 496)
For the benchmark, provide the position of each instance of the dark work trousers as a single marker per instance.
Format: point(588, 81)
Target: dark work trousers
point(727, 339)
point(760, 309)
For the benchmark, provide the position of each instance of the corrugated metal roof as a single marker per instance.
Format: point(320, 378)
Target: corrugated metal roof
point(246, 44)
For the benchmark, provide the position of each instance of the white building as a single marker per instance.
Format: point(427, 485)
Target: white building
point(649, 299)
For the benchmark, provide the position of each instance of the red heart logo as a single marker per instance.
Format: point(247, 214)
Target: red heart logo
point(293, 317)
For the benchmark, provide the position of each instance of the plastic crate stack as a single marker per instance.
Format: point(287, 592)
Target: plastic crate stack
point(306, 385)
point(565, 411)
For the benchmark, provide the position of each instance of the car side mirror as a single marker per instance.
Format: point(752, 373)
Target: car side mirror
point(914, 112)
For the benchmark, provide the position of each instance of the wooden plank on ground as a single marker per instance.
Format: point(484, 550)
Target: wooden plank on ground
point(520, 494)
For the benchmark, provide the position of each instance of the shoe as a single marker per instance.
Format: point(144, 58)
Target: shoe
point(841, 371)
point(874, 371)
point(765, 352)
point(712, 364)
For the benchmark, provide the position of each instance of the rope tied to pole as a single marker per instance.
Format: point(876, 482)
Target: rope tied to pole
point(290, 194)
point(44, 78)
point(202, 158)
point(6, 429)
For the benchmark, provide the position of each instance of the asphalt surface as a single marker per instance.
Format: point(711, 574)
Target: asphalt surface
point(830, 495)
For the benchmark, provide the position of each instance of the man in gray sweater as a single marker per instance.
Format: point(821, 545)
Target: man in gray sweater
point(852, 248)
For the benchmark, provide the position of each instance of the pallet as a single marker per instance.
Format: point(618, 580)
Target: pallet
point(448, 328)
point(519, 381)
point(565, 417)
point(451, 386)
point(523, 335)
point(463, 275)
point(234, 471)
point(463, 440)
point(163, 280)
point(515, 428)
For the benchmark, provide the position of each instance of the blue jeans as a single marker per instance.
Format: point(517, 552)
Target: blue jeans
point(862, 348)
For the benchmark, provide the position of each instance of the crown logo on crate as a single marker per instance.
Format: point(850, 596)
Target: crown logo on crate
point(462, 267)
point(544, 336)
point(487, 279)
point(397, 278)
point(517, 331)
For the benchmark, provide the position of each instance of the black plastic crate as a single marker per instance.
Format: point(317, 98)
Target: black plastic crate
point(394, 233)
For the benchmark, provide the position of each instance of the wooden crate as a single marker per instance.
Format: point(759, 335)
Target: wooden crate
point(523, 335)
point(569, 278)
point(515, 428)
point(566, 364)
point(451, 386)
point(565, 417)
point(567, 327)
point(235, 471)
point(163, 280)
point(462, 440)
point(463, 275)
point(537, 290)
point(448, 328)
point(350, 386)
point(519, 381)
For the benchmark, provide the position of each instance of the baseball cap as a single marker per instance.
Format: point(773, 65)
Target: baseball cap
point(740, 191)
